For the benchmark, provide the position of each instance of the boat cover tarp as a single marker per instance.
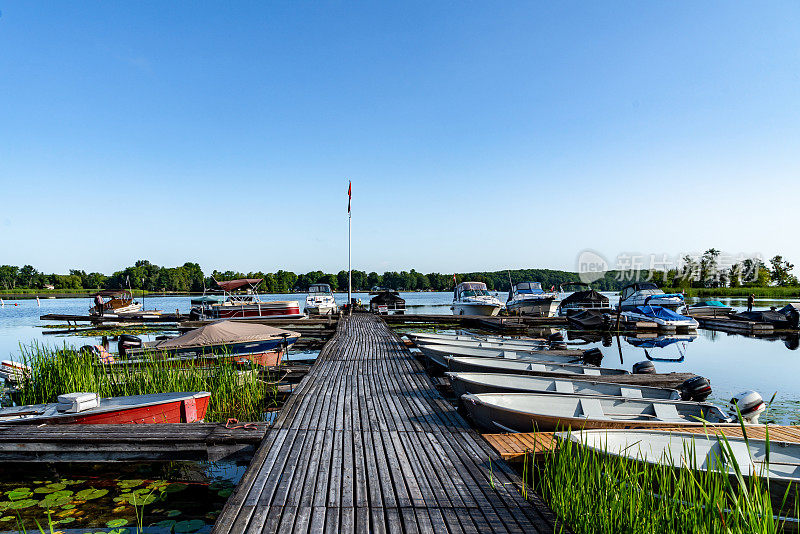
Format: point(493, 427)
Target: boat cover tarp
point(387, 297)
point(585, 296)
point(762, 317)
point(792, 306)
point(472, 285)
point(661, 313)
point(232, 285)
point(224, 332)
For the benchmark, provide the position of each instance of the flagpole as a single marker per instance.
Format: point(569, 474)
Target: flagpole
point(349, 268)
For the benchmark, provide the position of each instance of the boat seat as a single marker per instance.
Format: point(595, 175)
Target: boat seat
point(564, 387)
point(535, 367)
point(629, 393)
point(667, 412)
point(592, 372)
point(592, 409)
point(510, 354)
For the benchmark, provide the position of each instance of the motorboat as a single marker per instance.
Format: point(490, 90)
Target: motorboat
point(120, 302)
point(644, 293)
point(684, 381)
point(526, 412)
point(708, 308)
point(480, 343)
point(589, 319)
point(784, 319)
point(246, 305)
point(776, 461)
point(438, 354)
point(320, 300)
point(13, 372)
point(665, 318)
point(89, 409)
point(528, 298)
point(445, 339)
point(463, 383)
point(582, 299)
point(387, 301)
point(241, 341)
point(525, 366)
point(472, 298)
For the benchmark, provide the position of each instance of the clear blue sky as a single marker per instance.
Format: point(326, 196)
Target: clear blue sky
point(477, 135)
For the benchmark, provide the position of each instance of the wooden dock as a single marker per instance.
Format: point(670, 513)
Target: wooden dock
point(128, 443)
point(367, 444)
point(514, 447)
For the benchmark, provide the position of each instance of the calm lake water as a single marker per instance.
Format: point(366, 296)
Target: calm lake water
point(732, 362)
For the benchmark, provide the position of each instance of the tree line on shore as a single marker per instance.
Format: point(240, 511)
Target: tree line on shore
point(702, 272)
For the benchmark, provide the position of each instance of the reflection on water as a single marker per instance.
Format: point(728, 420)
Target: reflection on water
point(173, 497)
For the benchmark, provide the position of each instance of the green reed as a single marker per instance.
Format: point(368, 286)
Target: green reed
point(236, 390)
point(593, 492)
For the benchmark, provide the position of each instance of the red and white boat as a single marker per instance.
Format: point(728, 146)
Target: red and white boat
point(247, 305)
point(13, 372)
point(89, 409)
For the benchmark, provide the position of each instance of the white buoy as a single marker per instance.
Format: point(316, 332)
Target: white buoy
point(2, 304)
point(37, 302)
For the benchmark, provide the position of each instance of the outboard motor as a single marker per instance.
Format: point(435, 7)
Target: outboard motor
point(592, 356)
point(749, 404)
point(644, 368)
point(126, 342)
point(696, 389)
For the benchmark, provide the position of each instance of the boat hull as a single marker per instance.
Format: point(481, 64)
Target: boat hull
point(274, 310)
point(152, 409)
point(470, 308)
point(267, 352)
point(324, 309)
point(544, 307)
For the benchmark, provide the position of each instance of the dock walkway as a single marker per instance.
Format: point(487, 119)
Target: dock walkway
point(367, 444)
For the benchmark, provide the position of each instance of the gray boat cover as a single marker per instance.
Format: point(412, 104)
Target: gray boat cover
point(225, 332)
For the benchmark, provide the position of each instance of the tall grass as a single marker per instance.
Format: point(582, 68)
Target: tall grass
point(234, 392)
point(593, 492)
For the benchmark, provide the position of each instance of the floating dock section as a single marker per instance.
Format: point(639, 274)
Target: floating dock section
point(367, 444)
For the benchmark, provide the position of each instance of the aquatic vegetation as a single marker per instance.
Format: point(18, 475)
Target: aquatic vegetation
point(597, 493)
point(236, 391)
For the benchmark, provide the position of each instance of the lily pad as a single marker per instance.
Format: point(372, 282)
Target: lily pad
point(50, 488)
point(184, 527)
point(114, 523)
point(225, 493)
point(131, 483)
point(176, 487)
point(166, 523)
point(119, 531)
point(89, 494)
point(72, 482)
point(69, 506)
point(173, 513)
point(19, 494)
point(57, 499)
point(21, 505)
point(7, 518)
point(66, 520)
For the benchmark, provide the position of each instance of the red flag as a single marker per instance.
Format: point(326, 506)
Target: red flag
point(349, 194)
point(454, 279)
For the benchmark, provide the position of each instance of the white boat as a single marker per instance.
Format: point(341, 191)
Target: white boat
point(438, 354)
point(779, 462)
point(120, 303)
point(528, 298)
point(663, 317)
point(527, 366)
point(526, 412)
point(644, 293)
point(472, 298)
point(446, 338)
point(463, 383)
point(480, 343)
point(320, 300)
point(13, 372)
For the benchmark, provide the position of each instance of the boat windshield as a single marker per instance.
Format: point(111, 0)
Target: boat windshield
point(647, 286)
point(319, 288)
point(529, 288)
point(474, 293)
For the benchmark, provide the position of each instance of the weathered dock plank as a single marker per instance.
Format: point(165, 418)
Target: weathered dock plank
point(127, 443)
point(367, 444)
